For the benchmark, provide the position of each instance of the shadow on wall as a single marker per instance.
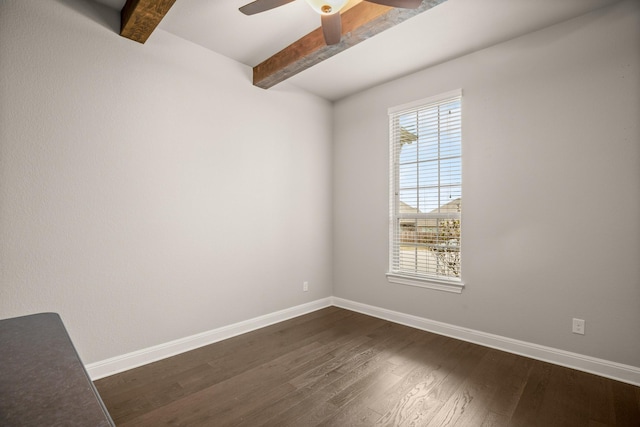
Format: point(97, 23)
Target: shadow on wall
point(100, 14)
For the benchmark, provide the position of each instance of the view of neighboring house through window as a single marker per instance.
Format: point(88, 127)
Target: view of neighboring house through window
point(426, 192)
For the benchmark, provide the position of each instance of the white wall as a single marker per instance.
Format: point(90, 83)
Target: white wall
point(551, 230)
point(148, 193)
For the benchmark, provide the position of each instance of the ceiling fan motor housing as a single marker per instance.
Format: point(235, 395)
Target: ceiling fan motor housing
point(327, 7)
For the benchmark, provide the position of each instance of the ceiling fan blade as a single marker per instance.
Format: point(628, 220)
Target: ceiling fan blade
point(405, 4)
point(332, 28)
point(262, 5)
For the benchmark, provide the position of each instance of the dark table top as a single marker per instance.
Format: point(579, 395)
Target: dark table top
point(42, 380)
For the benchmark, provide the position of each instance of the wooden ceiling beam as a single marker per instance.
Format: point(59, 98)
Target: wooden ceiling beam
point(362, 21)
point(138, 18)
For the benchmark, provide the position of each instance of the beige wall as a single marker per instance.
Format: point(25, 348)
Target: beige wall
point(150, 192)
point(551, 167)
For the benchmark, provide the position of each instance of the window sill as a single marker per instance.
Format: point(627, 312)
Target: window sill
point(440, 285)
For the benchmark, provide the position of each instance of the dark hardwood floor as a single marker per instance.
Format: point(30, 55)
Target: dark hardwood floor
point(334, 367)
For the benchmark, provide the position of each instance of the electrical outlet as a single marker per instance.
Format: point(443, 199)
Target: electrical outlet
point(305, 286)
point(578, 326)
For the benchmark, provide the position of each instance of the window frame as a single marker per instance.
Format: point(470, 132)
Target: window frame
point(430, 281)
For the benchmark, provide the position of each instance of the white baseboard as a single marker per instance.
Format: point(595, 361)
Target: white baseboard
point(617, 371)
point(132, 360)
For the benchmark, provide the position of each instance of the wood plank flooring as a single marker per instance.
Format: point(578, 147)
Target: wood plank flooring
point(334, 367)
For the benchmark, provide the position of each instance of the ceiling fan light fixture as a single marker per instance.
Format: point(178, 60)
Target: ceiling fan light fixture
point(327, 7)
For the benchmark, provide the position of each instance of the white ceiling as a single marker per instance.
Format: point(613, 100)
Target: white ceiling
point(450, 30)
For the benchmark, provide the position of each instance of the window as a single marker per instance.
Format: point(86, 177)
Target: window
point(426, 193)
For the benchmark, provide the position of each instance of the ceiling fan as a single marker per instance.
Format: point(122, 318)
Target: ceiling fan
point(329, 11)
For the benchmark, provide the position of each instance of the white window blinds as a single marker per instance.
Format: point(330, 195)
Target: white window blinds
point(426, 188)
